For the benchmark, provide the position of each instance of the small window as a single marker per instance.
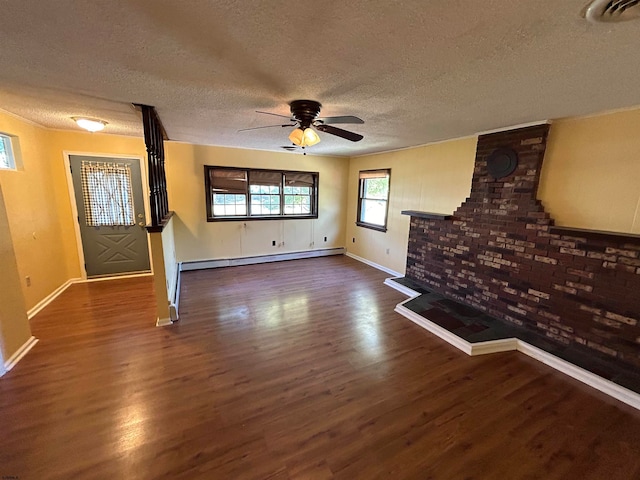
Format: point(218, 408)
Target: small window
point(264, 192)
point(373, 199)
point(298, 193)
point(107, 194)
point(245, 194)
point(7, 155)
point(228, 192)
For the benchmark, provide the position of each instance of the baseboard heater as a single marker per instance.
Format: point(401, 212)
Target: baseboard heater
point(280, 257)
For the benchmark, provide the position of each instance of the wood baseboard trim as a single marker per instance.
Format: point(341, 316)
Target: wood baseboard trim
point(279, 257)
point(494, 346)
point(20, 353)
point(437, 330)
point(401, 288)
point(608, 387)
point(373, 264)
point(32, 312)
point(605, 386)
point(163, 322)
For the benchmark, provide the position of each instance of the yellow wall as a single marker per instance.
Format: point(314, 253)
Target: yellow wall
point(14, 326)
point(37, 211)
point(590, 179)
point(197, 239)
point(591, 172)
point(433, 178)
point(38, 205)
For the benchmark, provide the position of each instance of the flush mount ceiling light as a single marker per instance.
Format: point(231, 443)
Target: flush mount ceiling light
point(599, 11)
point(90, 124)
point(304, 137)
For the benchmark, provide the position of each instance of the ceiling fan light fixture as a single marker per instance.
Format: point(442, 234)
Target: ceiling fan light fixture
point(297, 137)
point(90, 124)
point(310, 137)
point(304, 138)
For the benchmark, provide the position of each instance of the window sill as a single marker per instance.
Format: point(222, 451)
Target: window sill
point(372, 227)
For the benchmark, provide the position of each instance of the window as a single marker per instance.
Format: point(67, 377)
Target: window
point(373, 199)
point(264, 192)
point(228, 192)
point(298, 193)
point(107, 194)
point(7, 156)
point(240, 193)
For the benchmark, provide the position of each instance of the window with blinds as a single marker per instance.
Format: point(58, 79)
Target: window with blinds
point(264, 192)
point(227, 192)
point(298, 193)
point(373, 199)
point(242, 193)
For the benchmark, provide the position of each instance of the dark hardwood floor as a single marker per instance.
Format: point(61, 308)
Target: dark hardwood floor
point(291, 370)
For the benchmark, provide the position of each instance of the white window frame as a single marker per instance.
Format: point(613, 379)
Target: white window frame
point(10, 143)
point(363, 176)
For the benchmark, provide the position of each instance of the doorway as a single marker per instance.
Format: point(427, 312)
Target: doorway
point(110, 204)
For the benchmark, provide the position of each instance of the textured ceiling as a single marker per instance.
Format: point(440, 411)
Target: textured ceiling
point(416, 71)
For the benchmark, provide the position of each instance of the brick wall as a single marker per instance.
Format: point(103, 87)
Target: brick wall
point(500, 253)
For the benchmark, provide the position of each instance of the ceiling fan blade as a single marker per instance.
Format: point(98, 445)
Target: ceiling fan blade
point(354, 137)
point(265, 126)
point(342, 119)
point(276, 115)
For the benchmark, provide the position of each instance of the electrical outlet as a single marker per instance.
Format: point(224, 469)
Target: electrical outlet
point(325, 239)
point(27, 279)
point(273, 244)
point(353, 240)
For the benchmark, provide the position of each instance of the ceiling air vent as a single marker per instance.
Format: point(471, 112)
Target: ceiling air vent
point(600, 11)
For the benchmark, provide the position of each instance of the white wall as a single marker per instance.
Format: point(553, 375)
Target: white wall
point(170, 261)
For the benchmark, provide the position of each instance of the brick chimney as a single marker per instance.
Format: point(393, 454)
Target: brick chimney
point(500, 253)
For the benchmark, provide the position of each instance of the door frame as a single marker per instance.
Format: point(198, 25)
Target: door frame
point(74, 206)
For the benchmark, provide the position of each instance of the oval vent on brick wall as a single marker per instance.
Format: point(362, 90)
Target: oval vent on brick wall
point(612, 10)
point(502, 162)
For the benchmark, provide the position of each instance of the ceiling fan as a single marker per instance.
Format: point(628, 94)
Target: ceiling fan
point(304, 116)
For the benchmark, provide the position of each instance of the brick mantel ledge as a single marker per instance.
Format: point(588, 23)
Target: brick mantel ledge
point(429, 215)
point(597, 234)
